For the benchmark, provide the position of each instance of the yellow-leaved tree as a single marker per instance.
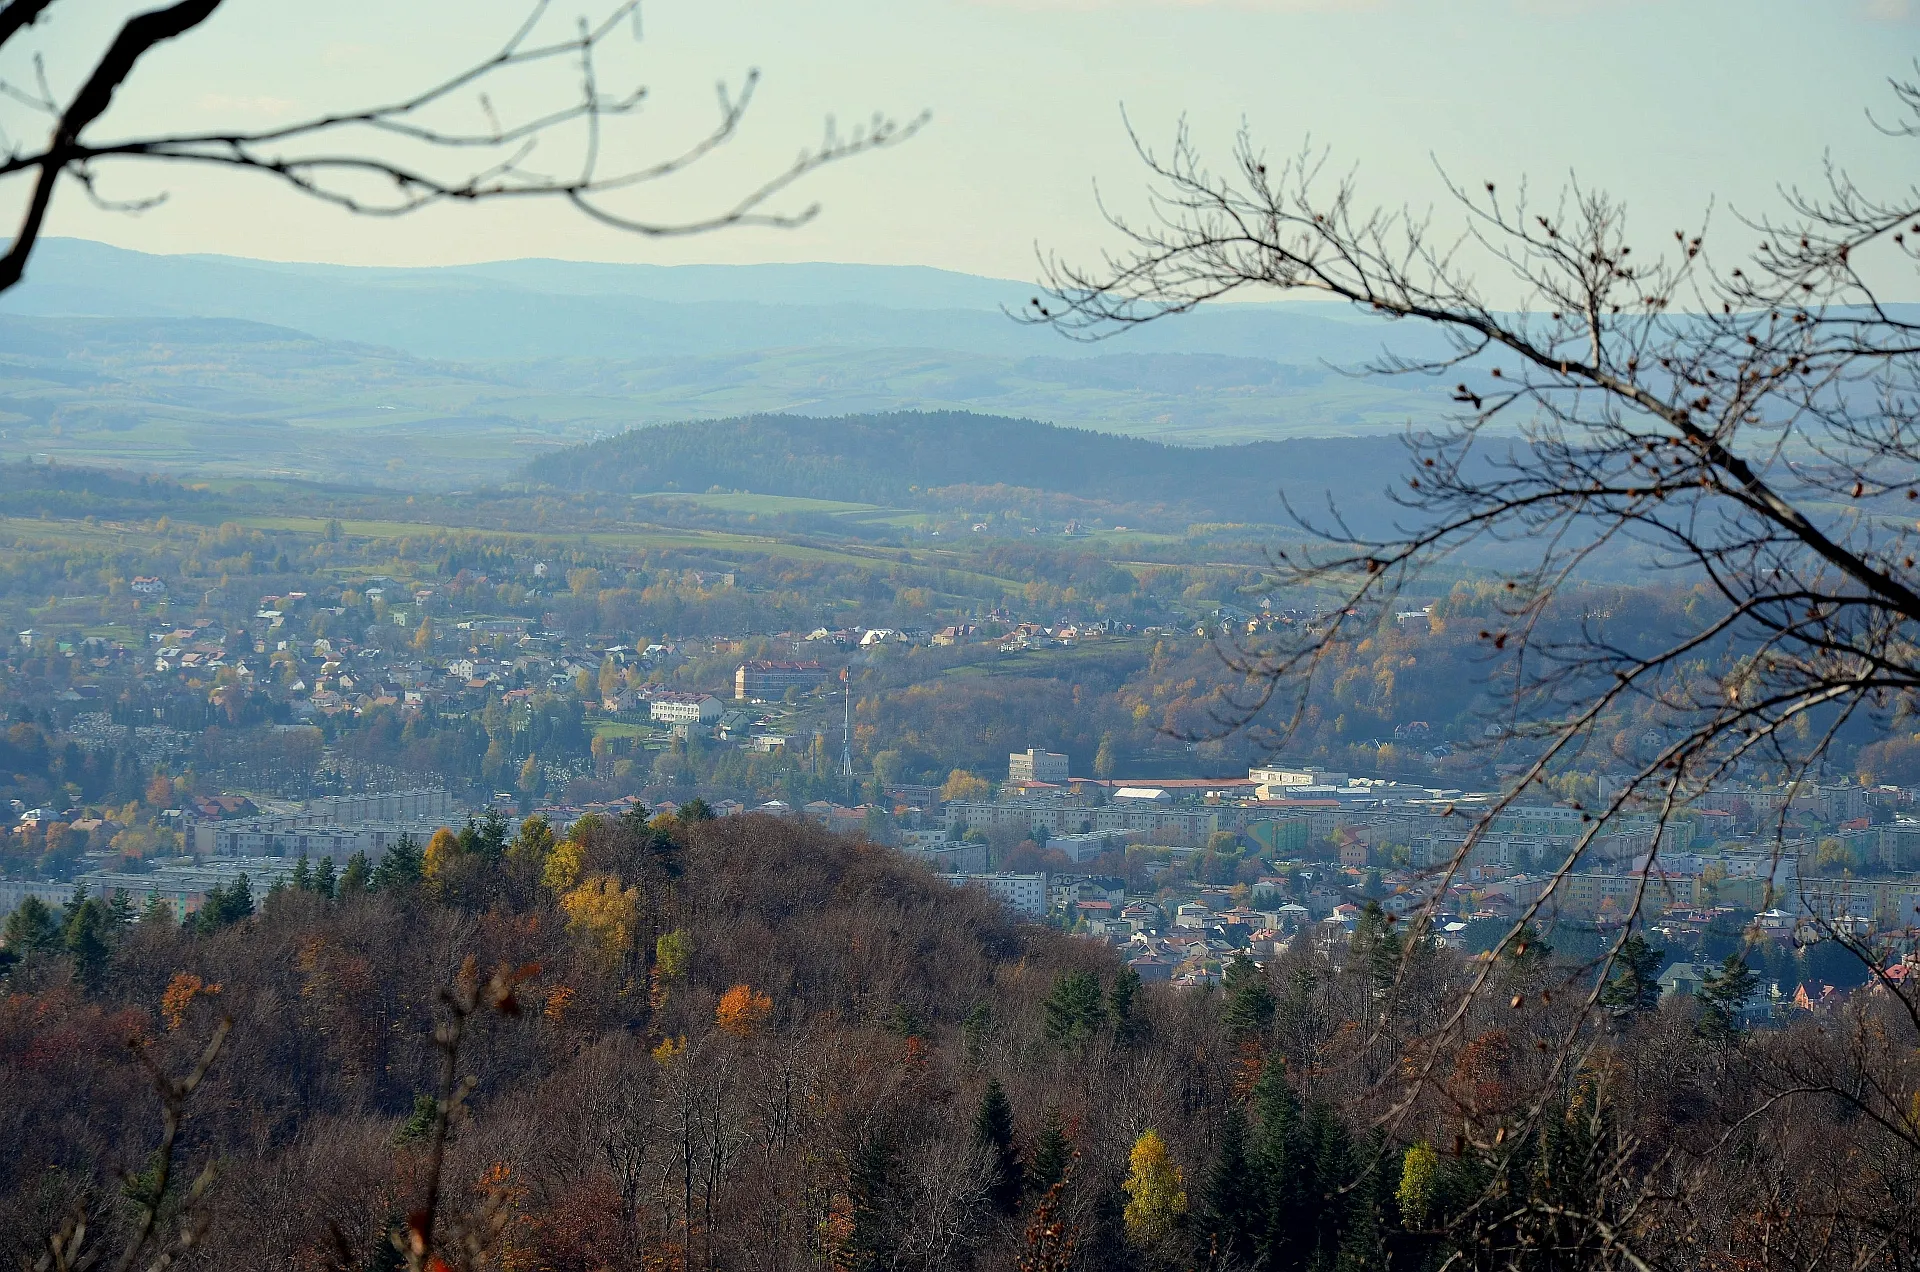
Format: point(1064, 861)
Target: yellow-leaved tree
point(1419, 1182)
point(1156, 1192)
point(441, 852)
point(604, 913)
point(961, 784)
point(566, 859)
point(530, 846)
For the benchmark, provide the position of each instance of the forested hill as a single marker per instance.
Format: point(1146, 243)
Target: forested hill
point(906, 458)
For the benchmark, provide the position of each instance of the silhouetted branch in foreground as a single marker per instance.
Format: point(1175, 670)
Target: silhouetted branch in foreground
point(395, 157)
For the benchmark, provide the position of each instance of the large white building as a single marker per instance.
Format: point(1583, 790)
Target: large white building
point(686, 708)
point(1274, 782)
point(337, 826)
point(1034, 765)
point(290, 837)
point(1024, 894)
point(1176, 826)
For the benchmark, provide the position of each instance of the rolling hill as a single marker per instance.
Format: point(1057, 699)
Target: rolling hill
point(942, 460)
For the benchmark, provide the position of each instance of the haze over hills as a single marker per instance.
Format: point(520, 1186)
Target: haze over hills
point(227, 367)
point(545, 308)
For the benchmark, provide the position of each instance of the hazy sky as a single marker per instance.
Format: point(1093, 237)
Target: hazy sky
point(1668, 102)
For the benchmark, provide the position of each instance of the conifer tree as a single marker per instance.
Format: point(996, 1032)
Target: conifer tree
point(1278, 1160)
point(993, 1133)
point(876, 1220)
point(120, 910)
point(1051, 1153)
point(86, 932)
point(357, 879)
point(1528, 949)
point(159, 911)
point(1364, 1240)
point(1231, 1222)
point(1329, 1173)
point(399, 868)
point(31, 928)
point(1635, 985)
point(1250, 1003)
point(1724, 992)
point(1376, 946)
point(1076, 1008)
point(226, 906)
point(323, 880)
point(301, 877)
point(975, 1028)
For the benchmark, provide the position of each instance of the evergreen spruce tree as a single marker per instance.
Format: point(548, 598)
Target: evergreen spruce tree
point(323, 880)
point(1324, 1182)
point(1076, 1008)
point(399, 868)
point(1635, 985)
point(975, 1028)
point(1279, 1162)
point(239, 899)
point(1724, 992)
point(32, 928)
point(419, 1124)
point(120, 910)
point(1376, 947)
point(357, 880)
point(1105, 1245)
point(87, 934)
point(1367, 1239)
point(1528, 949)
point(876, 1219)
point(301, 877)
point(159, 912)
point(993, 1132)
point(1250, 1003)
point(1231, 1222)
point(1051, 1154)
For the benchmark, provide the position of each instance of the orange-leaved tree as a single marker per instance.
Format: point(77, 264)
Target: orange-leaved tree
point(742, 1010)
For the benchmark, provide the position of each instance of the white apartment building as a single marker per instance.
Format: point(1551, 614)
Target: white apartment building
point(1024, 894)
point(686, 708)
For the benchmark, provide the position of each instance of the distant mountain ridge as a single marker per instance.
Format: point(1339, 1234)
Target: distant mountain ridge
point(544, 308)
point(917, 459)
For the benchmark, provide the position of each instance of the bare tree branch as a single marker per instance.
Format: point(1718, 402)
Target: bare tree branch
point(345, 158)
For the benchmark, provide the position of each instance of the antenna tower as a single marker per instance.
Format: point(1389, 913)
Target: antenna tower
point(846, 729)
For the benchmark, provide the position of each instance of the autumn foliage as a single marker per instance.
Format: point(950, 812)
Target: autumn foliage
point(648, 1107)
point(741, 1011)
point(179, 996)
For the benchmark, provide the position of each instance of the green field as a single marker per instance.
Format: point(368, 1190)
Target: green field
point(750, 504)
point(620, 729)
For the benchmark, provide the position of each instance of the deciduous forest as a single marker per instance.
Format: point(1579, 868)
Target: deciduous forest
point(745, 1043)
